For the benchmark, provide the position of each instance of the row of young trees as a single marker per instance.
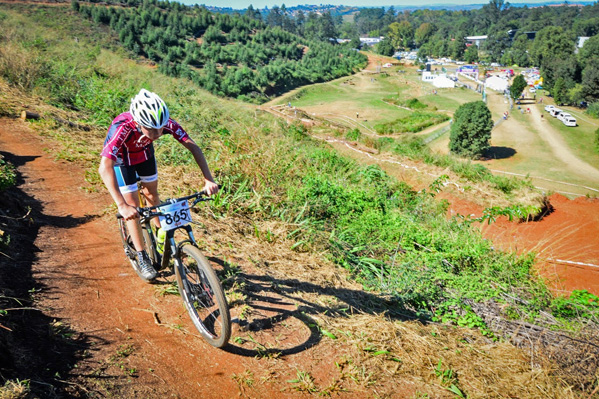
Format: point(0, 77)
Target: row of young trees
point(236, 56)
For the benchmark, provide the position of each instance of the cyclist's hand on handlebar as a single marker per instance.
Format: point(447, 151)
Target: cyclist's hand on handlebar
point(210, 187)
point(128, 212)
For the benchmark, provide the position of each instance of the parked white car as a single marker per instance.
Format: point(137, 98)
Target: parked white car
point(563, 115)
point(549, 107)
point(569, 120)
point(555, 111)
point(532, 90)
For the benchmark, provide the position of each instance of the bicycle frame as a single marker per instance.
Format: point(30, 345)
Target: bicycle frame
point(174, 248)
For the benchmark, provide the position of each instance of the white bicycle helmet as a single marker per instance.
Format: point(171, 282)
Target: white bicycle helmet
point(149, 110)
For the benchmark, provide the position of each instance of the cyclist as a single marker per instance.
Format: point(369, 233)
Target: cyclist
point(128, 153)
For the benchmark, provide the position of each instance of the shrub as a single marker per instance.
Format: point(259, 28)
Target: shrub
point(471, 130)
point(414, 103)
point(353, 135)
point(593, 110)
point(8, 175)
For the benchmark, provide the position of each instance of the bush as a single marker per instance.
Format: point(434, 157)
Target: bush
point(471, 130)
point(414, 103)
point(353, 135)
point(593, 110)
point(8, 175)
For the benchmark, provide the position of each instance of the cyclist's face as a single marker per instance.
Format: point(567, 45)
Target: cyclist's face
point(151, 133)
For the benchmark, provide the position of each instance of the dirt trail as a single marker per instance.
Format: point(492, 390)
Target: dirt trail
point(139, 342)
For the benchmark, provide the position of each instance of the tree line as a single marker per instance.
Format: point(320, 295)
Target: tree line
point(231, 55)
point(544, 37)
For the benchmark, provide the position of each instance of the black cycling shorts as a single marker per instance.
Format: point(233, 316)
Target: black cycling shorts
point(127, 176)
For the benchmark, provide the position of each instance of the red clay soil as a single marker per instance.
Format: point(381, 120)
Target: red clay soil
point(566, 241)
point(140, 344)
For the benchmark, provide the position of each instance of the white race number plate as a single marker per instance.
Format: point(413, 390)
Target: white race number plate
point(175, 215)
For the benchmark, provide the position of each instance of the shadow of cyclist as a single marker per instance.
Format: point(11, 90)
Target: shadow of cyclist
point(274, 304)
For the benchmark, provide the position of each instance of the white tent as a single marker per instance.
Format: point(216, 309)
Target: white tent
point(440, 81)
point(496, 83)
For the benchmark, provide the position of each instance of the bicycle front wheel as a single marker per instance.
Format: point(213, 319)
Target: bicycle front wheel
point(203, 296)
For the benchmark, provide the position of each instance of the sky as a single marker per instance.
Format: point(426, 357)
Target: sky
point(242, 4)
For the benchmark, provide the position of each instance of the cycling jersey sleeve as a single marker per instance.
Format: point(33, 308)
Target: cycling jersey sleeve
point(117, 133)
point(177, 131)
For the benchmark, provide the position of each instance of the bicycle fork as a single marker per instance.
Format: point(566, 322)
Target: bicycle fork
point(172, 249)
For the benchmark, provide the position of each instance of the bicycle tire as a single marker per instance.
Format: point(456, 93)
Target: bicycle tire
point(203, 296)
point(150, 246)
point(127, 243)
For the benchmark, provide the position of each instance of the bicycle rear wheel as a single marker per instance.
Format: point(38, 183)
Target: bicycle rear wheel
point(203, 296)
point(127, 243)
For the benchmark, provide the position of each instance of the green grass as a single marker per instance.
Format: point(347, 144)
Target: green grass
point(413, 123)
point(450, 99)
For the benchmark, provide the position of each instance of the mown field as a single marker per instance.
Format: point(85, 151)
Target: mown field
point(298, 194)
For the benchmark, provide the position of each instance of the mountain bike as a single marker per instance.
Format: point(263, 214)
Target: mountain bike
point(197, 282)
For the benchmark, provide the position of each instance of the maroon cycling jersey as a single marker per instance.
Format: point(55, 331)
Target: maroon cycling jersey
point(126, 145)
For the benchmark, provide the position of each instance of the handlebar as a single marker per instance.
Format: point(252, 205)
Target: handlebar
point(146, 212)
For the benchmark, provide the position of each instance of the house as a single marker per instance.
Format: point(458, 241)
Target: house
point(475, 40)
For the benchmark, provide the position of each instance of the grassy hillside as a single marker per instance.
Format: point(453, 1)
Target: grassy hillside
point(283, 189)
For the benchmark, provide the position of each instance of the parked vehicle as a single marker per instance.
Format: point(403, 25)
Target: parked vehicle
point(555, 112)
point(532, 90)
point(563, 115)
point(569, 121)
point(549, 107)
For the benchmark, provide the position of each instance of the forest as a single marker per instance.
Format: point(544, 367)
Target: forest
point(234, 56)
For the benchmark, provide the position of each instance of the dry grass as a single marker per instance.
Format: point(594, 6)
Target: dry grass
point(15, 390)
point(384, 351)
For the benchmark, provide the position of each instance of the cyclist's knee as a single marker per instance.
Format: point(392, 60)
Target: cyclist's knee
point(151, 193)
